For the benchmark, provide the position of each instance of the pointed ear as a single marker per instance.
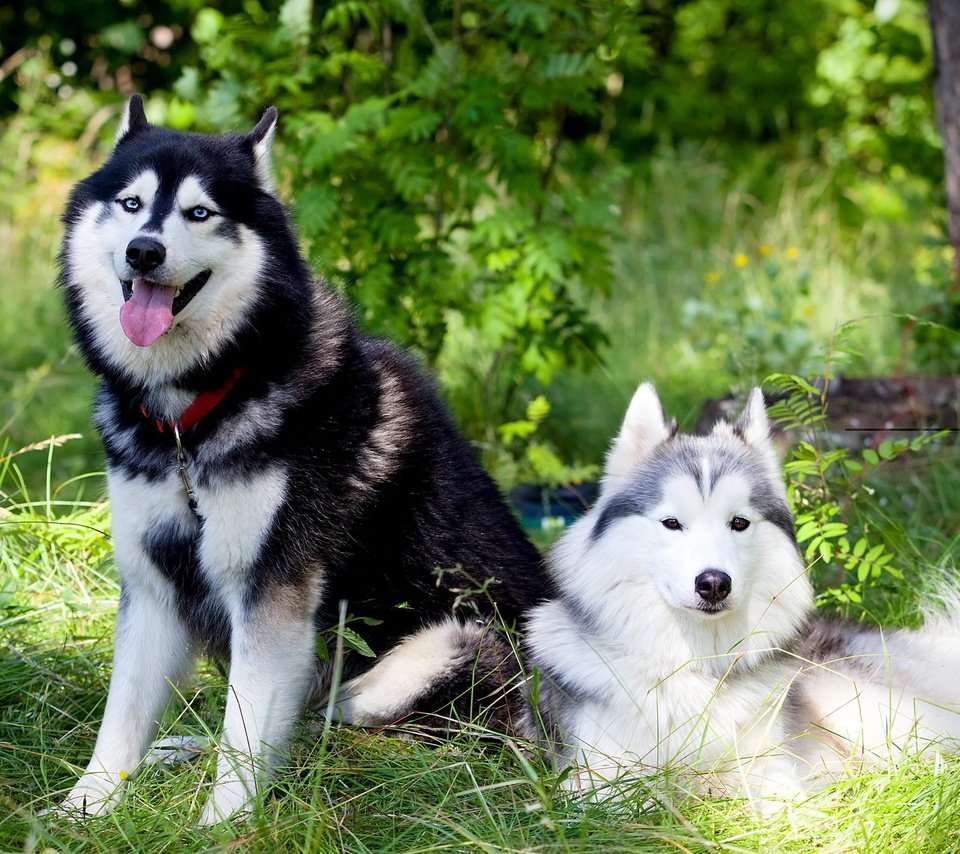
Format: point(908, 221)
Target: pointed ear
point(261, 141)
point(753, 427)
point(133, 120)
point(644, 427)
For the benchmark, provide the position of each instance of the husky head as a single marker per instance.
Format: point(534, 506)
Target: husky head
point(697, 527)
point(168, 244)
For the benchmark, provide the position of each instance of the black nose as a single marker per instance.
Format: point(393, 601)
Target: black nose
point(145, 254)
point(713, 585)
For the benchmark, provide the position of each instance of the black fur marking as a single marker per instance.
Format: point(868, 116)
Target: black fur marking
point(829, 639)
point(637, 500)
point(162, 206)
point(175, 554)
point(778, 513)
point(106, 213)
point(227, 229)
point(585, 621)
point(267, 121)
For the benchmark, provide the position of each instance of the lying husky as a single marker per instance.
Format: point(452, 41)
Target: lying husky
point(266, 462)
point(683, 634)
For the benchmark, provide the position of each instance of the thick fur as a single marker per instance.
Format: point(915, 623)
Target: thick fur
point(749, 692)
point(330, 471)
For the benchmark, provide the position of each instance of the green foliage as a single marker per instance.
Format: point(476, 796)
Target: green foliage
point(343, 635)
point(97, 47)
point(934, 327)
point(751, 314)
point(736, 69)
point(428, 157)
point(522, 456)
point(826, 484)
point(875, 91)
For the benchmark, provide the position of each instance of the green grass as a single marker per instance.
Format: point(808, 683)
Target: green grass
point(357, 790)
point(45, 390)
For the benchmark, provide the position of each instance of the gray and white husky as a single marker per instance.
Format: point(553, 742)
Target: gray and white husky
point(265, 462)
point(683, 636)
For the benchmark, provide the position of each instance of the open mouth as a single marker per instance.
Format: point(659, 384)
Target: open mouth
point(187, 292)
point(149, 307)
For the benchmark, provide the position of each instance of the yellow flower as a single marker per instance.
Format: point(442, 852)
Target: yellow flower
point(122, 775)
point(764, 249)
point(712, 277)
point(740, 260)
point(792, 252)
point(808, 311)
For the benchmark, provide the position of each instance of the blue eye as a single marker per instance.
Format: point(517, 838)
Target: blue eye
point(199, 213)
point(131, 204)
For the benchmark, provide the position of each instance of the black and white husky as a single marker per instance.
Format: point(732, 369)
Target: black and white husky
point(682, 634)
point(266, 462)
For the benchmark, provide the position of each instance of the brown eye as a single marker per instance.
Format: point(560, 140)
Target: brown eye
point(738, 523)
point(671, 524)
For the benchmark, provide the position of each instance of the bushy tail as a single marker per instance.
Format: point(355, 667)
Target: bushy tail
point(447, 672)
point(889, 691)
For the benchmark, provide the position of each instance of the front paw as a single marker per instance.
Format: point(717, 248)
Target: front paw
point(231, 798)
point(93, 795)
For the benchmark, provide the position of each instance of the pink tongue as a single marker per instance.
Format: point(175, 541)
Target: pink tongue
point(148, 313)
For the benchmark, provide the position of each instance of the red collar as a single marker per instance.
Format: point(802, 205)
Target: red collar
point(202, 405)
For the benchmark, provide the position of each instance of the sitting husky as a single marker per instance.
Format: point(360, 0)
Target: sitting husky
point(265, 463)
point(682, 634)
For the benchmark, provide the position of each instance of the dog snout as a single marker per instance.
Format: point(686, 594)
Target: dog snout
point(145, 254)
point(713, 585)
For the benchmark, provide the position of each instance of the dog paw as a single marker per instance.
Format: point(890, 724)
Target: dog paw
point(230, 799)
point(93, 795)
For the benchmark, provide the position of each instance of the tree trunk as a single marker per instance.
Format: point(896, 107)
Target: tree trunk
point(945, 24)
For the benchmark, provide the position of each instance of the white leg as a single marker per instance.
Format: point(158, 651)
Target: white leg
point(272, 664)
point(151, 653)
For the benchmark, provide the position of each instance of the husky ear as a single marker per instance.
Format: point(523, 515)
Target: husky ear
point(261, 141)
point(133, 120)
point(753, 427)
point(644, 427)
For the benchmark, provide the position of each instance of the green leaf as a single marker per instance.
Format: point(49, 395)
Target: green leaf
point(353, 641)
point(538, 409)
point(516, 430)
point(323, 651)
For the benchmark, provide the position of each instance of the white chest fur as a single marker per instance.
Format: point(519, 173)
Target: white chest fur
point(235, 519)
